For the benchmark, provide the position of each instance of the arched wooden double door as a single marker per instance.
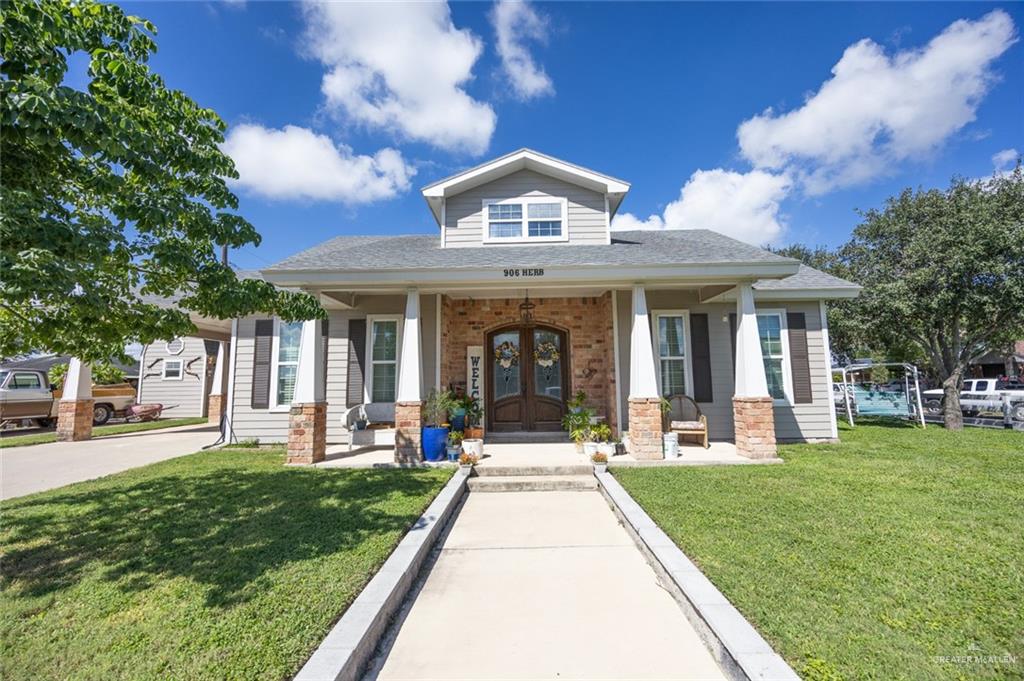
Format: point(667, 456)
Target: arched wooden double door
point(527, 377)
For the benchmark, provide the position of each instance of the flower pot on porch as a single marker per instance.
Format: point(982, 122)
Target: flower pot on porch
point(473, 447)
point(606, 448)
point(601, 467)
point(589, 449)
point(434, 440)
point(474, 433)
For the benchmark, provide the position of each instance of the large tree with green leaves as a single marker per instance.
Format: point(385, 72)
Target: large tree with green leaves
point(943, 271)
point(109, 190)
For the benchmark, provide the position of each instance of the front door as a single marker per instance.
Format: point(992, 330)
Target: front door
point(527, 375)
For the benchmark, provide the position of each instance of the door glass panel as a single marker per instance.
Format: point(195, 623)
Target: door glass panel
point(547, 364)
point(505, 350)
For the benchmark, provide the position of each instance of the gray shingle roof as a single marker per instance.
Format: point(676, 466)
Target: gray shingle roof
point(640, 247)
point(806, 278)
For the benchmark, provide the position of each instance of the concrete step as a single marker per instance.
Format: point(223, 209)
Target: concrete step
point(537, 483)
point(517, 471)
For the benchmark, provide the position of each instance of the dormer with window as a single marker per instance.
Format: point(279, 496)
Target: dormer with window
point(525, 198)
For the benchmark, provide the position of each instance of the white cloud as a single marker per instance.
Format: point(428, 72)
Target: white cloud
point(878, 110)
point(297, 163)
point(1005, 159)
point(516, 23)
point(401, 68)
point(744, 206)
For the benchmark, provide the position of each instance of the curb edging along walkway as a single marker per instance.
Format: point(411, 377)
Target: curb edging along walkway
point(351, 643)
point(739, 649)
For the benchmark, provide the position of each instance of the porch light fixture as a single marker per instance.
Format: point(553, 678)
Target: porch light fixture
point(526, 309)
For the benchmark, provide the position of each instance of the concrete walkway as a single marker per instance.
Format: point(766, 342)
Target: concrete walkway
point(34, 468)
point(542, 585)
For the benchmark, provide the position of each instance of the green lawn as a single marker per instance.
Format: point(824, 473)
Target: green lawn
point(100, 431)
point(218, 565)
point(877, 558)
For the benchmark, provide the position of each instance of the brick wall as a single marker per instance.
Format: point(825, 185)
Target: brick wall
point(588, 321)
point(755, 427)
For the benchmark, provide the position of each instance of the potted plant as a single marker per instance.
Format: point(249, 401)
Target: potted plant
point(602, 433)
point(474, 413)
point(600, 461)
point(454, 445)
point(467, 461)
point(577, 424)
point(578, 401)
point(435, 433)
point(458, 410)
point(589, 442)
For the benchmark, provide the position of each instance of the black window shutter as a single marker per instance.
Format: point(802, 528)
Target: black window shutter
point(732, 338)
point(356, 360)
point(325, 332)
point(701, 347)
point(261, 363)
point(799, 360)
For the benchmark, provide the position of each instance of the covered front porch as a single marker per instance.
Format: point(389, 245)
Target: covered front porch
point(524, 357)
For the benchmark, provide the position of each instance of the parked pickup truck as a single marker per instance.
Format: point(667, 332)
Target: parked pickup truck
point(26, 394)
point(981, 395)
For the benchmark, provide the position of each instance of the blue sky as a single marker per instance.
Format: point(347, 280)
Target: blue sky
point(339, 116)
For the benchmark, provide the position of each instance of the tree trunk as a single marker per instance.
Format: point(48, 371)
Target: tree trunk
point(952, 416)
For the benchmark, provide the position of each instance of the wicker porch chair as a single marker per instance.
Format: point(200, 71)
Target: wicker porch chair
point(685, 418)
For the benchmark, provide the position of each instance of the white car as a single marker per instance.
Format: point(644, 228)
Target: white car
point(981, 395)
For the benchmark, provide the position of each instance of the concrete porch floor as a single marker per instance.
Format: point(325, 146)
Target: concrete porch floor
point(544, 454)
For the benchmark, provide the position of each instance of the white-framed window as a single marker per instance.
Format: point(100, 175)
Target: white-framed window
point(771, 329)
point(175, 346)
point(284, 363)
point(525, 219)
point(383, 339)
point(172, 370)
point(671, 335)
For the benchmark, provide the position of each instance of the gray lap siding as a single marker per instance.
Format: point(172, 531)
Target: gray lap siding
point(794, 422)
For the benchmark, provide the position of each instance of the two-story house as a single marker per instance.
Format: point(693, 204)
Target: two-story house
point(527, 284)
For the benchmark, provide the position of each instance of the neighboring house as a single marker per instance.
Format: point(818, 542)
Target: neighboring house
point(46, 362)
point(527, 284)
point(1009, 362)
point(178, 374)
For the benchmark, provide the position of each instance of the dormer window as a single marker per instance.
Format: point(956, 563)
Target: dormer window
point(525, 219)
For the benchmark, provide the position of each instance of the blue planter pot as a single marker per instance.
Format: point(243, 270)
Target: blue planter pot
point(434, 441)
point(459, 422)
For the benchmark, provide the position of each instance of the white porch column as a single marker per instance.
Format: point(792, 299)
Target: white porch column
point(74, 413)
point(750, 377)
point(645, 426)
point(215, 402)
point(408, 417)
point(752, 406)
point(309, 374)
point(307, 418)
point(642, 380)
point(410, 360)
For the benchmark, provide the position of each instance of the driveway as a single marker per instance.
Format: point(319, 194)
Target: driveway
point(532, 585)
point(24, 470)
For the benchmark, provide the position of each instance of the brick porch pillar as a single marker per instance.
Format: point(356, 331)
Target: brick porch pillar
point(74, 420)
point(307, 433)
point(645, 428)
point(215, 407)
point(755, 427)
point(74, 413)
point(408, 424)
point(218, 398)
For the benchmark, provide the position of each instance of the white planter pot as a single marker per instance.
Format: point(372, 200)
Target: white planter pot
point(671, 445)
point(474, 447)
point(600, 467)
point(606, 448)
point(589, 449)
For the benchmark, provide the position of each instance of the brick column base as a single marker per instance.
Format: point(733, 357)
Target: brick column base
point(755, 427)
point(307, 433)
point(74, 420)
point(408, 425)
point(645, 428)
point(215, 407)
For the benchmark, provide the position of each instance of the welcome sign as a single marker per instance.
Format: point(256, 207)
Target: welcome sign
point(475, 373)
